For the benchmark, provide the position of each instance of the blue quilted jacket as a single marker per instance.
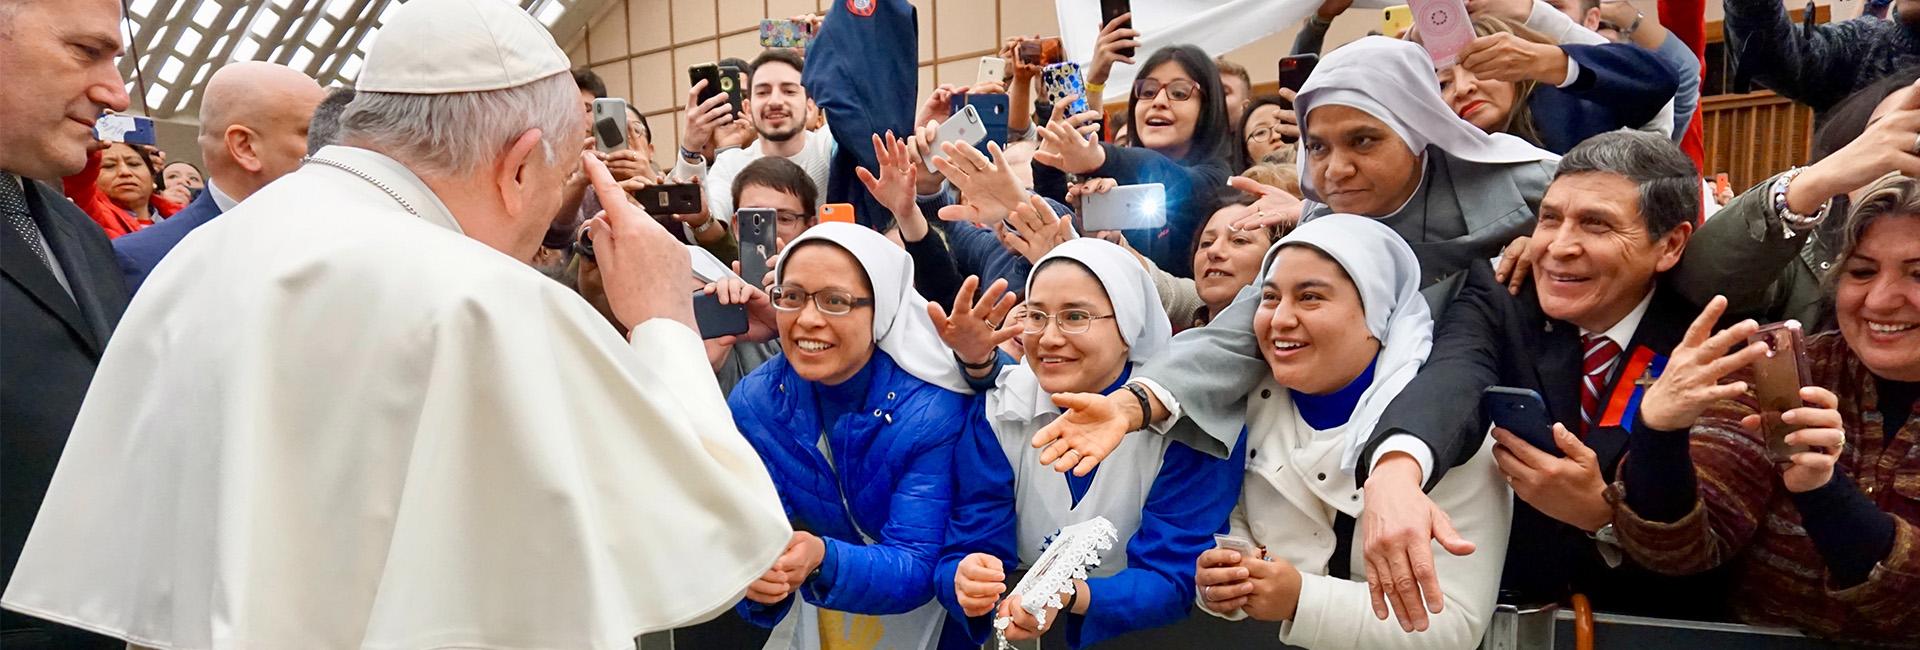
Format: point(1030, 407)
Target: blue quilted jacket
point(894, 455)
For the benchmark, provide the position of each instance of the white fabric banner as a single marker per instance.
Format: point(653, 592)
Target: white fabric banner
point(1217, 26)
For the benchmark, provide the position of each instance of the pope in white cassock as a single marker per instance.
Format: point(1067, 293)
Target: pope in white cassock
point(348, 415)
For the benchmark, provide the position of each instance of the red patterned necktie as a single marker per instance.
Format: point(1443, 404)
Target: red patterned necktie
point(1596, 363)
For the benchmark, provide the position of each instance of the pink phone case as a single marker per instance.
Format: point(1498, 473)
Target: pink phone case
point(1444, 28)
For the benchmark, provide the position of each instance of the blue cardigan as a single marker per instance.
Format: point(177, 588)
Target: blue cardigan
point(1189, 501)
point(894, 457)
point(1621, 86)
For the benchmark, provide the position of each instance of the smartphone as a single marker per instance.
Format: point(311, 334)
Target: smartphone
point(1236, 543)
point(718, 81)
point(1778, 378)
point(841, 212)
point(1295, 69)
point(716, 320)
point(1044, 51)
point(1395, 19)
point(1522, 412)
point(965, 126)
point(1060, 80)
point(1444, 28)
point(759, 240)
point(131, 129)
point(609, 124)
point(1111, 9)
point(1721, 183)
point(785, 33)
point(993, 114)
point(673, 198)
point(1127, 207)
point(992, 68)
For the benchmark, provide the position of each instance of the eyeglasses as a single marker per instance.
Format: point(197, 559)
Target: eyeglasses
point(1265, 134)
point(832, 302)
point(1179, 90)
point(791, 217)
point(1072, 321)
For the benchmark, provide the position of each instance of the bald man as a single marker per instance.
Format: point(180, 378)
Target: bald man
point(253, 130)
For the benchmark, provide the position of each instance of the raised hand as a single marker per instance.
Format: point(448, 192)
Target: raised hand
point(1886, 145)
point(1091, 428)
point(977, 327)
point(644, 268)
point(1274, 207)
point(978, 583)
point(1401, 523)
point(988, 188)
point(1064, 144)
point(703, 118)
point(894, 187)
point(1036, 230)
point(1115, 36)
point(1691, 381)
point(1506, 57)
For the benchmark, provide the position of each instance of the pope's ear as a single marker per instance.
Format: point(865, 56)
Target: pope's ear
point(514, 172)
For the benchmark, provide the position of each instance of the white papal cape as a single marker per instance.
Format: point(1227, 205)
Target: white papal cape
point(326, 423)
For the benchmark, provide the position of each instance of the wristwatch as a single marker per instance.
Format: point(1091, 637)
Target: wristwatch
point(692, 157)
point(1792, 222)
point(709, 224)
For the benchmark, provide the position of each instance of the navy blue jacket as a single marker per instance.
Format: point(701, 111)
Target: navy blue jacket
point(1620, 86)
point(139, 251)
point(894, 460)
point(862, 70)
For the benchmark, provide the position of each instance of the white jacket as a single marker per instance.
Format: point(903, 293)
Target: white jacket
point(1294, 491)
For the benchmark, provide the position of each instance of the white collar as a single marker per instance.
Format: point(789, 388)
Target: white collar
point(1622, 332)
point(393, 177)
point(220, 199)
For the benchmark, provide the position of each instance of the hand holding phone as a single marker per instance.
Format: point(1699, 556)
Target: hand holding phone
point(1237, 543)
point(610, 124)
point(1777, 379)
point(1063, 80)
point(1295, 69)
point(670, 198)
point(1523, 413)
point(130, 129)
point(759, 241)
point(1045, 51)
point(965, 127)
point(1126, 207)
point(1111, 10)
point(1444, 27)
point(719, 80)
point(716, 320)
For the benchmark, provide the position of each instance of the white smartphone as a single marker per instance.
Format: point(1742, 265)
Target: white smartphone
point(964, 127)
point(992, 68)
point(609, 124)
point(1444, 28)
point(1127, 207)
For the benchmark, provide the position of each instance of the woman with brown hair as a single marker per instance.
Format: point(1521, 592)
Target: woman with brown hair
point(1822, 538)
point(1515, 80)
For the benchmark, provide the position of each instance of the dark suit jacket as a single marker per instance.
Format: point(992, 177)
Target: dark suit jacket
point(139, 251)
point(51, 344)
point(1491, 338)
point(1621, 86)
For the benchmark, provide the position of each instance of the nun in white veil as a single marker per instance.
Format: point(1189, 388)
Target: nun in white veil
point(856, 421)
point(1092, 315)
point(1307, 421)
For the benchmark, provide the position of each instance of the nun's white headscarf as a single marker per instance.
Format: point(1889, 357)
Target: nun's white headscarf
point(1384, 270)
point(901, 327)
point(1017, 395)
point(1393, 80)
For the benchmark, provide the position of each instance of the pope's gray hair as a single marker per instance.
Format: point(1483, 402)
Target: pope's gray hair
point(456, 134)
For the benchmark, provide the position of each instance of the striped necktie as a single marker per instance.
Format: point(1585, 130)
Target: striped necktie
point(13, 206)
point(1601, 355)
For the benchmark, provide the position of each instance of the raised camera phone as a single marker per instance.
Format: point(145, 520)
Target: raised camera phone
point(992, 69)
point(719, 80)
point(993, 111)
point(131, 129)
point(759, 240)
point(838, 212)
point(1444, 28)
point(964, 127)
point(1062, 80)
point(1522, 412)
point(1295, 69)
point(1127, 207)
point(1777, 379)
point(716, 320)
point(785, 33)
point(1395, 19)
point(609, 124)
point(1043, 51)
point(1111, 9)
point(673, 198)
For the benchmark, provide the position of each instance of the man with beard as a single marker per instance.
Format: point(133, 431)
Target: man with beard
point(1824, 63)
point(777, 104)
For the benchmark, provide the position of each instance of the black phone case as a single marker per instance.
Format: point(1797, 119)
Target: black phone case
point(757, 241)
point(717, 320)
point(662, 200)
point(719, 80)
point(1522, 412)
point(1111, 9)
point(1295, 69)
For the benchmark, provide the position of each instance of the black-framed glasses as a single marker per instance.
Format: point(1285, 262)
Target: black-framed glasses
point(1072, 321)
point(1265, 134)
point(791, 218)
point(832, 302)
point(1178, 90)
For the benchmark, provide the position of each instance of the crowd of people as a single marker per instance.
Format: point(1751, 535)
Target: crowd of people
point(409, 365)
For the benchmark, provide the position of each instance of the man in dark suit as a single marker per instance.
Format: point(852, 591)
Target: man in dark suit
point(1590, 332)
point(60, 293)
point(254, 118)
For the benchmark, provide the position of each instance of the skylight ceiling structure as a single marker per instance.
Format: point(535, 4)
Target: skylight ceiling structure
point(173, 46)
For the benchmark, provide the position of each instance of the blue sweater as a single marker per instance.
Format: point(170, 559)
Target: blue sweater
point(1189, 501)
point(1620, 86)
point(890, 478)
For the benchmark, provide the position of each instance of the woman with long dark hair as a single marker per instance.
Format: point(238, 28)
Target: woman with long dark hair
point(1178, 122)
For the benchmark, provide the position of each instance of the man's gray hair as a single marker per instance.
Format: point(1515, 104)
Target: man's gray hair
point(461, 133)
point(1669, 183)
point(324, 129)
